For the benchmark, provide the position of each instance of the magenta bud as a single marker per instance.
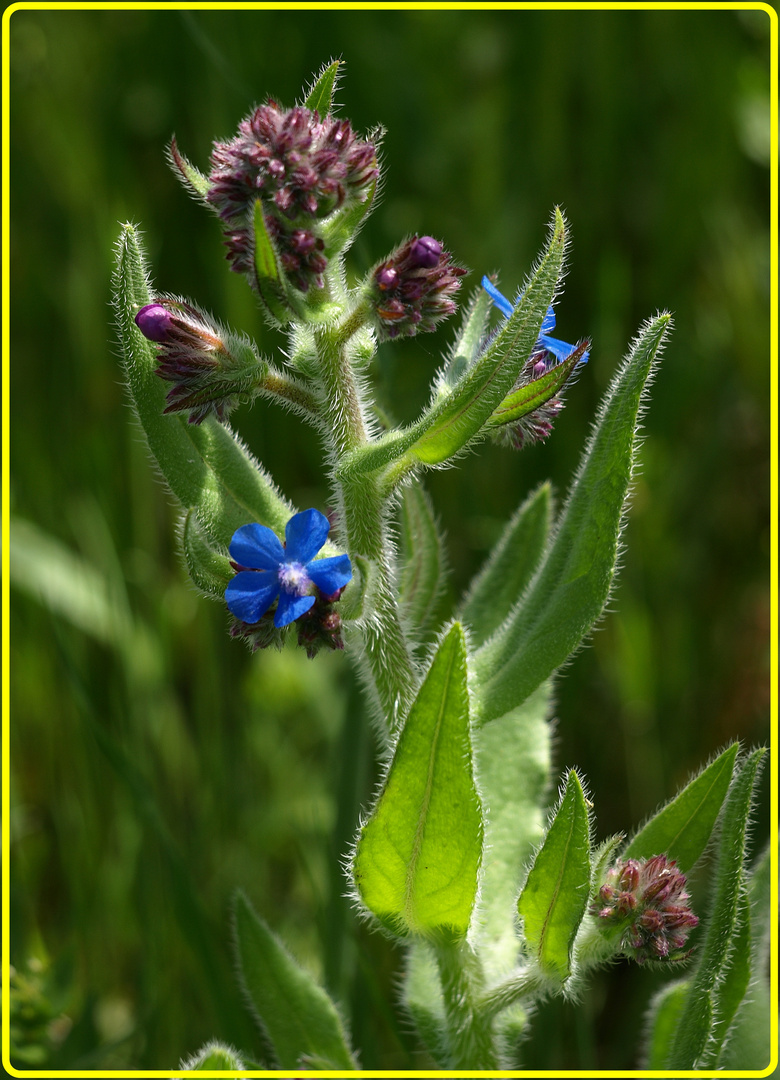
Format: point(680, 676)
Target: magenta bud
point(154, 322)
point(386, 278)
point(425, 252)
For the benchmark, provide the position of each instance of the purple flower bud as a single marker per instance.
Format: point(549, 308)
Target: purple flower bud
point(302, 168)
point(209, 369)
point(651, 911)
point(154, 321)
point(425, 252)
point(412, 289)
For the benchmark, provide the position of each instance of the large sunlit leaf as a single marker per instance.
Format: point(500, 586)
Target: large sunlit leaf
point(418, 855)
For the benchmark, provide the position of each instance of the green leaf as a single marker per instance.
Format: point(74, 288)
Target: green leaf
point(704, 1002)
point(451, 422)
point(569, 592)
point(210, 571)
point(214, 1056)
point(193, 179)
point(320, 97)
point(535, 393)
point(509, 568)
point(418, 855)
point(683, 827)
point(465, 351)
point(662, 1020)
point(208, 469)
point(733, 984)
point(422, 556)
point(555, 895)
point(513, 757)
point(298, 1016)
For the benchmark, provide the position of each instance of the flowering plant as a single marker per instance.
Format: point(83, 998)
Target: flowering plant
point(499, 900)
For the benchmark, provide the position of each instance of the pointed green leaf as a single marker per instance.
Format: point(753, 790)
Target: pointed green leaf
point(418, 855)
point(300, 1019)
point(663, 1018)
point(555, 895)
point(193, 179)
point(500, 583)
point(452, 421)
point(207, 467)
point(210, 571)
point(700, 1013)
point(733, 985)
point(682, 828)
point(465, 351)
point(214, 1056)
point(320, 97)
point(523, 401)
point(570, 590)
point(421, 560)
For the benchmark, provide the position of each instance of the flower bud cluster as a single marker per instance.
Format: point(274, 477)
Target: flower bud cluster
point(303, 169)
point(649, 903)
point(412, 290)
point(210, 369)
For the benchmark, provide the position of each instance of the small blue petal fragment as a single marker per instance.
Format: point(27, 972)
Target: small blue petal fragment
point(305, 533)
point(560, 350)
point(250, 594)
point(330, 575)
point(497, 297)
point(290, 608)
point(256, 547)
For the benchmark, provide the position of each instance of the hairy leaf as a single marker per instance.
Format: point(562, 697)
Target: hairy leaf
point(682, 828)
point(206, 466)
point(298, 1016)
point(418, 854)
point(511, 565)
point(570, 590)
point(555, 894)
point(422, 557)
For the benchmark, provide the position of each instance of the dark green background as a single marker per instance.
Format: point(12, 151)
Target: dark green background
point(156, 765)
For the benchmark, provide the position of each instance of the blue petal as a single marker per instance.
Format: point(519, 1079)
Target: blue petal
point(559, 349)
point(498, 298)
point(257, 547)
point(250, 594)
point(291, 608)
point(306, 533)
point(329, 575)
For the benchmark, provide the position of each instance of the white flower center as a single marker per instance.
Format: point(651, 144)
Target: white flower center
point(294, 579)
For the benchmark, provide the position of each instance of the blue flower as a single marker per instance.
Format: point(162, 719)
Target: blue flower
point(270, 570)
point(559, 349)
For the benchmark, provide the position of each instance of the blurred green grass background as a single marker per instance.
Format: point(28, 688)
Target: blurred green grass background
point(156, 765)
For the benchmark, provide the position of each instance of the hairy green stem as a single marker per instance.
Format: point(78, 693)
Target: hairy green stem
point(469, 1035)
point(509, 993)
point(385, 652)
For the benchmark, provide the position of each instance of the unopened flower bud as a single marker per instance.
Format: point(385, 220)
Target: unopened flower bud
point(210, 369)
point(302, 169)
point(648, 904)
point(412, 290)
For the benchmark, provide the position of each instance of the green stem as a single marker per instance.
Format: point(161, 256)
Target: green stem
point(385, 653)
point(470, 1038)
point(276, 385)
point(509, 993)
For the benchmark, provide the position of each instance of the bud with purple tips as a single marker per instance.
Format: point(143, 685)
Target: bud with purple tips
point(647, 904)
point(411, 291)
point(211, 370)
point(303, 169)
